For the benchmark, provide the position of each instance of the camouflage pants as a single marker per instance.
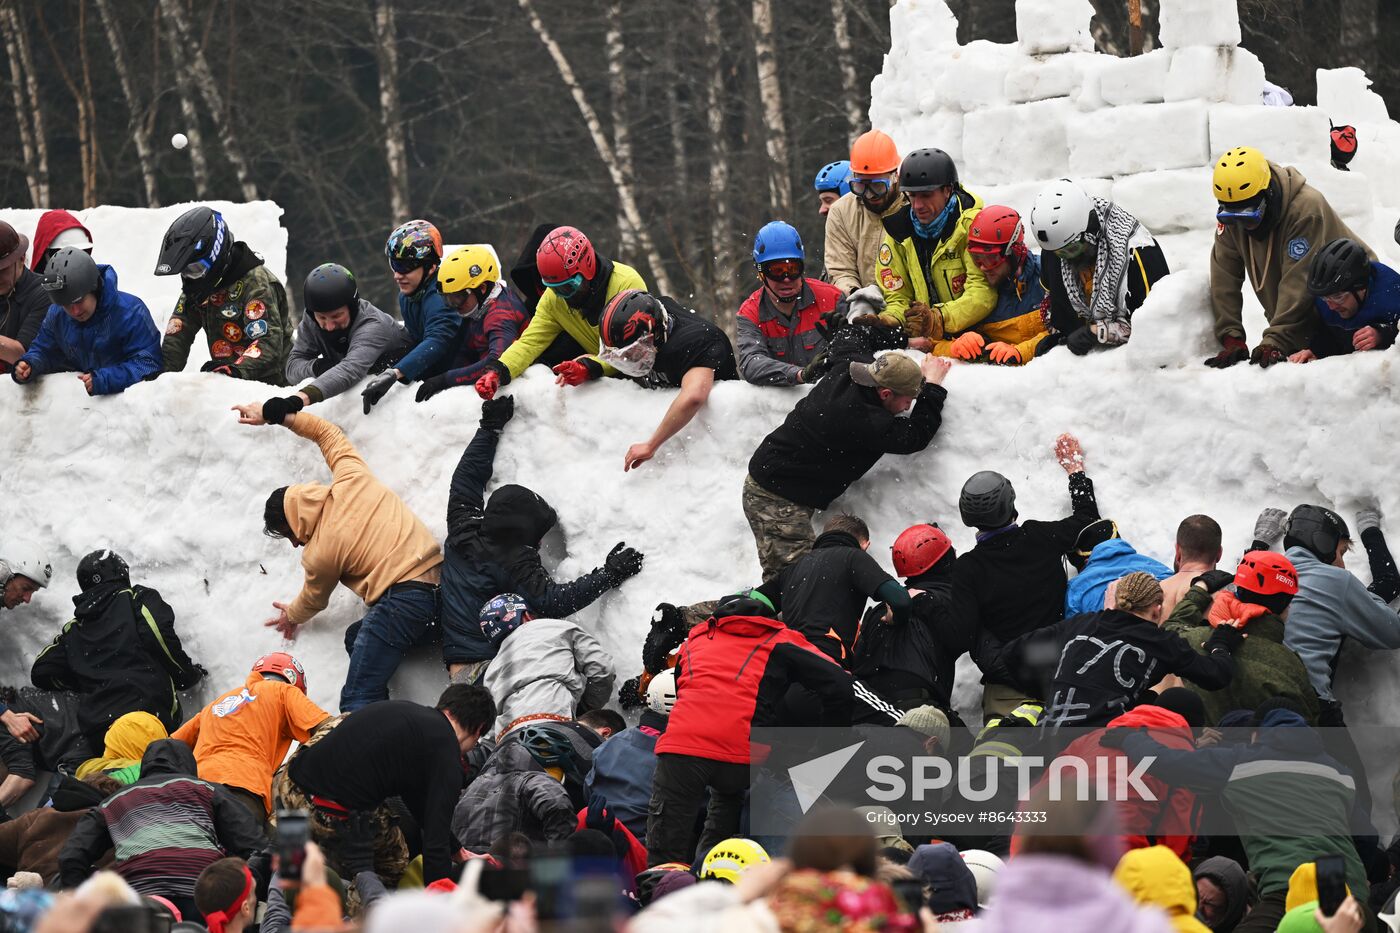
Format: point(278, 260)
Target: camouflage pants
point(781, 529)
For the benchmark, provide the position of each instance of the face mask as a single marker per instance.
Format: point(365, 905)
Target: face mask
point(636, 359)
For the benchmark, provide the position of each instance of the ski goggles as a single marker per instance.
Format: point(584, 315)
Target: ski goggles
point(1246, 212)
point(782, 270)
point(568, 288)
point(988, 255)
point(403, 265)
point(636, 359)
point(1074, 250)
point(868, 188)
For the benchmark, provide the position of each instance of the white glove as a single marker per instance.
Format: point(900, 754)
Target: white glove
point(867, 300)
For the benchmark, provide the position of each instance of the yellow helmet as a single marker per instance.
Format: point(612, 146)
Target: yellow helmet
point(728, 859)
point(467, 267)
point(1240, 174)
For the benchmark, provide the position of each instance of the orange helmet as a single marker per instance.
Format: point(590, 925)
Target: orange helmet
point(918, 548)
point(995, 229)
point(1267, 574)
point(281, 664)
point(874, 153)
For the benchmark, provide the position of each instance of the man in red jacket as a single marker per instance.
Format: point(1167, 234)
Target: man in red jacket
point(732, 673)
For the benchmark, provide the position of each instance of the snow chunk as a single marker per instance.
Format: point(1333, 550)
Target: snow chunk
point(1140, 138)
point(1043, 78)
point(974, 76)
point(1183, 23)
point(1006, 144)
point(941, 130)
point(1141, 79)
point(1054, 26)
point(1284, 134)
point(1233, 75)
point(1168, 202)
point(1345, 95)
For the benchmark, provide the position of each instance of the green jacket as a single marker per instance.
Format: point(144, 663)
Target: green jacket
point(553, 315)
point(1264, 668)
point(958, 286)
point(246, 324)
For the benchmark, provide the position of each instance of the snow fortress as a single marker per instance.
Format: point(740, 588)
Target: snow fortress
point(164, 474)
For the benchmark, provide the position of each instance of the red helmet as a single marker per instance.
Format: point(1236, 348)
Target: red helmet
point(918, 548)
point(1344, 138)
point(1267, 574)
point(564, 253)
point(283, 665)
point(995, 229)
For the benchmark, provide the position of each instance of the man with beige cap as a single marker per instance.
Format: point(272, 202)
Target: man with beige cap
point(23, 301)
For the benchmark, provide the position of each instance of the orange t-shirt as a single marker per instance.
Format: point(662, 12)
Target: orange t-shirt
point(242, 737)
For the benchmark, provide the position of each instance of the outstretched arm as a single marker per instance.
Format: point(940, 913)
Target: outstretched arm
point(467, 495)
point(695, 391)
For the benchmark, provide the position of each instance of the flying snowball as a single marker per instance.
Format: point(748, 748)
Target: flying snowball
point(179, 141)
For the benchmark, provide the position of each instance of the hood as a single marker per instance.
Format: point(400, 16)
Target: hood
point(1230, 877)
point(1110, 549)
point(51, 224)
point(1289, 734)
point(941, 867)
point(1290, 182)
point(738, 627)
point(835, 539)
point(94, 600)
point(592, 305)
point(73, 794)
point(524, 273)
point(108, 299)
point(131, 734)
point(1153, 717)
point(517, 516)
point(1054, 892)
point(304, 504)
point(1155, 876)
point(168, 756)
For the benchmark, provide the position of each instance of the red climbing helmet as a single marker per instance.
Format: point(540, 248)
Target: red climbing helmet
point(918, 548)
point(995, 229)
point(564, 253)
point(1267, 573)
point(282, 664)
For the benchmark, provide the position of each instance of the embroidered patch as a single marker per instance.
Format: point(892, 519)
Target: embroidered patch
point(236, 292)
point(889, 281)
point(1219, 228)
point(254, 352)
point(221, 349)
point(958, 283)
point(255, 310)
point(216, 299)
point(229, 311)
point(1298, 248)
point(885, 254)
point(174, 327)
point(232, 332)
point(255, 329)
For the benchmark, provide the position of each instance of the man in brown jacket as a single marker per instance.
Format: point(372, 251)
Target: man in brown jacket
point(855, 223)
point(1269, 222)
point(355, 531)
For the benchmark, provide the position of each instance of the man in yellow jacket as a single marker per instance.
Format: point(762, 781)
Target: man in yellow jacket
point(579, 283)
point(928, 279)
point(355, 531)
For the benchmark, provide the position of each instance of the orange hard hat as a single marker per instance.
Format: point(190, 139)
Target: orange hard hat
point(1267, 573)
point(874, 153)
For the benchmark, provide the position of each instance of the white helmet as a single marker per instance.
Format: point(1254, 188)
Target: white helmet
point(33, 565)
point(1060, 214)
point(984, 867)
point(661, 692)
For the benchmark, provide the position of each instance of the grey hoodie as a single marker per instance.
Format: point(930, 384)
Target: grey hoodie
point(1332, 604)
point(372, 334)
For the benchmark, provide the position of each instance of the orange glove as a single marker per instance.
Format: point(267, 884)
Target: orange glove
point(968, 346)
point(1004, 354)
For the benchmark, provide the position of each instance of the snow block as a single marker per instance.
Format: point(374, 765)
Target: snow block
point(1345, 95)
point(1044, 78)
point(1284, 134)
point(1183, 23)
point(1047, 26)
point(1215, 73)
point(1141, 79)
point(973, 76)
point(1174, 322)
point(1141, 138)
point(1168, 202)
point(1349, 193)
point(1008, 144)
point(942, 130)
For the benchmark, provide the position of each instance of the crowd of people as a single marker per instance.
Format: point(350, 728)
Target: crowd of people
point(546, 786)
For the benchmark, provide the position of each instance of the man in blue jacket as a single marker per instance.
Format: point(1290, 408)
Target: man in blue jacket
point(1102, 558)
point(624, 765)
point(1357, 302)
point(104, 335)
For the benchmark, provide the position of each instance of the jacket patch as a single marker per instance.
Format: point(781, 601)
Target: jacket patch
point(255, 329)
point(957, 285)
point(221, 349)
point(889, 281)
point(1298, 248)
point(232, 332)
point(1219, 228)
point(229, 311)
point(174, 327)
point(255, 310)
point(254, 352)
point(230, 705)
point(885, 255)
point(216, 299)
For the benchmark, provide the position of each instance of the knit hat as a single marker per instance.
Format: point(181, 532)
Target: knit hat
point(1301, 919)
point(893, 371)
point(1138, 590)
point(1302, 886)
point(1185, 703)
point(930, 721)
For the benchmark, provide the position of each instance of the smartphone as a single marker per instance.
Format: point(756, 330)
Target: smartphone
point(1331, 883)
point(141, 919)
point(293, 827)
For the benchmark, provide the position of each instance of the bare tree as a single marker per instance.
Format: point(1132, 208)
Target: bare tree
point(851, 96)
point(29, 111)
point(186, 91)
point(80, 86)
point(721, 238)
point(622, 135)
point(386, 54)
point(625, 193)
point(1359, 29)
point(140, 130)
point(770, 91)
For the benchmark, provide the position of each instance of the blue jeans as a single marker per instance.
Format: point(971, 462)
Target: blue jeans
point(403, 618)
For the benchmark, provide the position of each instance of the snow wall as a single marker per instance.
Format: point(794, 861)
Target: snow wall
point(165, 475)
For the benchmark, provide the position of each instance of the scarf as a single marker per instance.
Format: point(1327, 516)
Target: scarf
point(218, 920)
point(1116, 228)
point(934, 228)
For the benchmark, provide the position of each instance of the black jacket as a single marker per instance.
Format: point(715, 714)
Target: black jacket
point(834, 435)
point(525, 273)
point(119, 651)
point(1013, 581)
point(493, 548)
point(22, 311)
point(391, 749)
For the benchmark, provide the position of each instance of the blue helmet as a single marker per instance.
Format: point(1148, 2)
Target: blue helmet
point(834, 177)
point(777, 240)
point(502, 615)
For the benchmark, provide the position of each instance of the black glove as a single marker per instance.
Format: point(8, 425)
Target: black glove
point(276, 409)
point(668, 630)
point(629, 695)
point(815, 369)
point(201, 671)
point(354, 848)
point(1116, 737)
point(832, 321)
point(599, 817)
point(1214, 580)
point(496, 412)
point(223, 369)
point(1225, 637)
point(1081, 341)
point(1234, 350)
point(1266, 355)
point(622, 562)
point(430, 387)
point(320, 365)
point(376, 388)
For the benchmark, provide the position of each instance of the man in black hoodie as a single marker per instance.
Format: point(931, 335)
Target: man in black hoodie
point(493, 547)
point(120, 651)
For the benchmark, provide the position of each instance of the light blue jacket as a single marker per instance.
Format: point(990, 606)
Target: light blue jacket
point(1332, 604)
point(1108, 561)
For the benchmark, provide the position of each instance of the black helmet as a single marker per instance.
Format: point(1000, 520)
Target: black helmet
point(198, 245)
point(100, 567)
point(1340, 266)
point(1090, 537)
point(551, 747)
point(1316, 529)
point(987, 501)
point(70, 275)
point(927, 169)
point(330, 287)
point(629, 316)
point(752, 603)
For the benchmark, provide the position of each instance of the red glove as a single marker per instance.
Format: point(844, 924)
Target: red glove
point(487, 385)
point(1004, 353)
point(1233, 350)
point(968, 346)
point(1266, 355)
point(574, 373)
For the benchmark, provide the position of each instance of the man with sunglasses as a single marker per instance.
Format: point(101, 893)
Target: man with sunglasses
point(660, 344)
point(1357, 301)
point(853, 224)
point(1269, 223)
point(227, 290)
point(579, 283)
point(779, 329)
point(1010, 334)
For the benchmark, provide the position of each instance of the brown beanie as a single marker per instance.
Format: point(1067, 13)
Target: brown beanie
point(1138, 591)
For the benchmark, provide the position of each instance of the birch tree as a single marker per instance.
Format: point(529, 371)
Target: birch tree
point(386, 54)
point(185, 92)
point(851, 95)
point(775, 125)
point(29, 110)
point(721, 238)
point(139, 128)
